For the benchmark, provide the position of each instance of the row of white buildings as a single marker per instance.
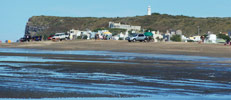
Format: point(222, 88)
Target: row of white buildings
point(211, 38)
point(101, 34)
point(74, 34)
point(157, 35)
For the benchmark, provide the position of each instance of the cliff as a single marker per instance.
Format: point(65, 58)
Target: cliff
point(45, 25)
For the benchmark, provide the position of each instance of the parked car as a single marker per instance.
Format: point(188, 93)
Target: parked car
point(137, 37)
point(26, 38)
point(127, 38)
point(37, 38)
point(60, 36)
point(22, 39)
point(50, 37)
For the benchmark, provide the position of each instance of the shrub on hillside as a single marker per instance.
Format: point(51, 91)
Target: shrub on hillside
point(176, 38)
point(223, 36)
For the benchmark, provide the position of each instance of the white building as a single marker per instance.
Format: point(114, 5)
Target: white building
point(184, 38)
point(124, 26)
point(157, 36)
point(73, 34)
point(195, 38)
point(212, 38)
point(149, 10)
point(179, 32)
point(167, 36)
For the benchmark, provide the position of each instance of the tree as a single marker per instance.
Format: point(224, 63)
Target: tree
point(223, 36)
point(156, 14)
point(96, 30)
point(116, 31)
point(176, 38)
point(149, 30)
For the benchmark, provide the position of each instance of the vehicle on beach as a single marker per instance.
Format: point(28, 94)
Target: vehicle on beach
point(22, 39)
point(37, 38)
point(26, 38)
point(60, 36)
point(50, 37)
point(137, 37)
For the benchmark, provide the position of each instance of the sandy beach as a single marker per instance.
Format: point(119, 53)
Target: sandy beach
point(214, 50)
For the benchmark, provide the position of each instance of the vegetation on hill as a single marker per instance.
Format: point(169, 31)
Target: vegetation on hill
point(223, 36)
point(45, 25)
point(176, 38)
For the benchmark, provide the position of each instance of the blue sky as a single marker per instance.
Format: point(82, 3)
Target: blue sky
point(15, 13)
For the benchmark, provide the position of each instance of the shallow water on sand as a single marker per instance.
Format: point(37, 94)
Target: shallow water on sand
point(118, 55)
point(40, 59)
point(113, 74)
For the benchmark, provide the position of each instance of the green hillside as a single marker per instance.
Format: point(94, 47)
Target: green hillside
point(44, 25)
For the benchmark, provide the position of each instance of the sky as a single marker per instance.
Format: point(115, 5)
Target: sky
point(15, 13)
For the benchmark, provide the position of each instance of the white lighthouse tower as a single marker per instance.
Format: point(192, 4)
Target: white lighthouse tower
point(149, 11)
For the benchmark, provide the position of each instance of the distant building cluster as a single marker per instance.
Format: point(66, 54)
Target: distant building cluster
point(156, 36)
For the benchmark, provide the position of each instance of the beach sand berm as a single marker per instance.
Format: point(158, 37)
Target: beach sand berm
point(181, 48)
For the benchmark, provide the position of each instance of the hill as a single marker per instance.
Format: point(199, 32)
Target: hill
point(45, 25)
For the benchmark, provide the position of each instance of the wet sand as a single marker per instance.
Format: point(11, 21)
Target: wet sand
point(53, 74)
point(114, 69)
point(214, 50)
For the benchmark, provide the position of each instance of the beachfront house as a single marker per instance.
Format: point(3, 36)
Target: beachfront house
point(85, 35)
point(211, 38)
point(100, 33)
point(74, 34)
point(184, 38)
point(115, 37)
point(124, 26)
point(166, 37)
point(157, 36)
point(121, 36)
point(92, 35)
point(195, 38)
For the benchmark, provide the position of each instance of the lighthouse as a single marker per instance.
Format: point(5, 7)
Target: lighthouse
point(149, 11)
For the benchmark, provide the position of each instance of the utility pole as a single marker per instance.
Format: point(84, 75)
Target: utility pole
point(198, 27)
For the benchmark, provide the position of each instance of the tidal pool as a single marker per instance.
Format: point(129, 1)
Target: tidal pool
point(117, 55)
